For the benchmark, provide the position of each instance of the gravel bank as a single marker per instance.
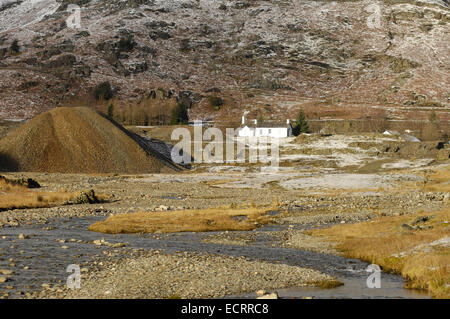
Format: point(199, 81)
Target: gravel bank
point(305, 209)
point(299, 240)
point(184, 275)
point(13, 218)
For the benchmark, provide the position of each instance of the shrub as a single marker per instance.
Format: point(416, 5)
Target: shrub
point(301, 125)
point(103, 91)
point(126, 44)
point(216, 102)
point(179, 114)
point(15, 48)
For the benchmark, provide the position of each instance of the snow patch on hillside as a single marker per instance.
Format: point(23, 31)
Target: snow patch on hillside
point(24, 13)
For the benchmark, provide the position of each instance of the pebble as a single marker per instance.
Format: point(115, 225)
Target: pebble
point(97, 242)
point(273, 295)
point(261, 292)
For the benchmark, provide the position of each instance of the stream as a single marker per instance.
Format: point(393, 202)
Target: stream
point(47, 259)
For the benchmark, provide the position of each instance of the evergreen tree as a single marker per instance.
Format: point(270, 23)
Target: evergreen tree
point(111, 111)
point(216, 102)
point(301, 125)
point(179, 115)
point(103, 91)
point(15, 46)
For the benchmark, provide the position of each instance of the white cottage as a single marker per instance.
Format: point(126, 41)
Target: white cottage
point(265, 129)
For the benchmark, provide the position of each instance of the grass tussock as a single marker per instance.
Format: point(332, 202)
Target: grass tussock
point(438, 181)
point(398, 249)
point(434, 180)
point(21, 197)
point(213, 219)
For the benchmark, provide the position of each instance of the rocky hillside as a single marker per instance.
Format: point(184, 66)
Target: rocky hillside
point(335, 59)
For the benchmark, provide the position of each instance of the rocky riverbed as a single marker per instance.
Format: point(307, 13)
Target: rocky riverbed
point(37, 245)
point(185, 275)
point(181, 265)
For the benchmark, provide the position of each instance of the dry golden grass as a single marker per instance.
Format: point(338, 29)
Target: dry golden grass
point(21, 197)
point(214, 219)
point(382, 240)
point(438, 181)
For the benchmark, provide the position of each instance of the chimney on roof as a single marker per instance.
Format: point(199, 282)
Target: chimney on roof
point(243, 119)
point(256, 122)
point(288, 121)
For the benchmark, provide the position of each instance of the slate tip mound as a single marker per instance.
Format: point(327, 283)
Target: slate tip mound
point(78, 140)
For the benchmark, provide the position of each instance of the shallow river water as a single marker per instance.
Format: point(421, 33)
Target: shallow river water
point(47, 260)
